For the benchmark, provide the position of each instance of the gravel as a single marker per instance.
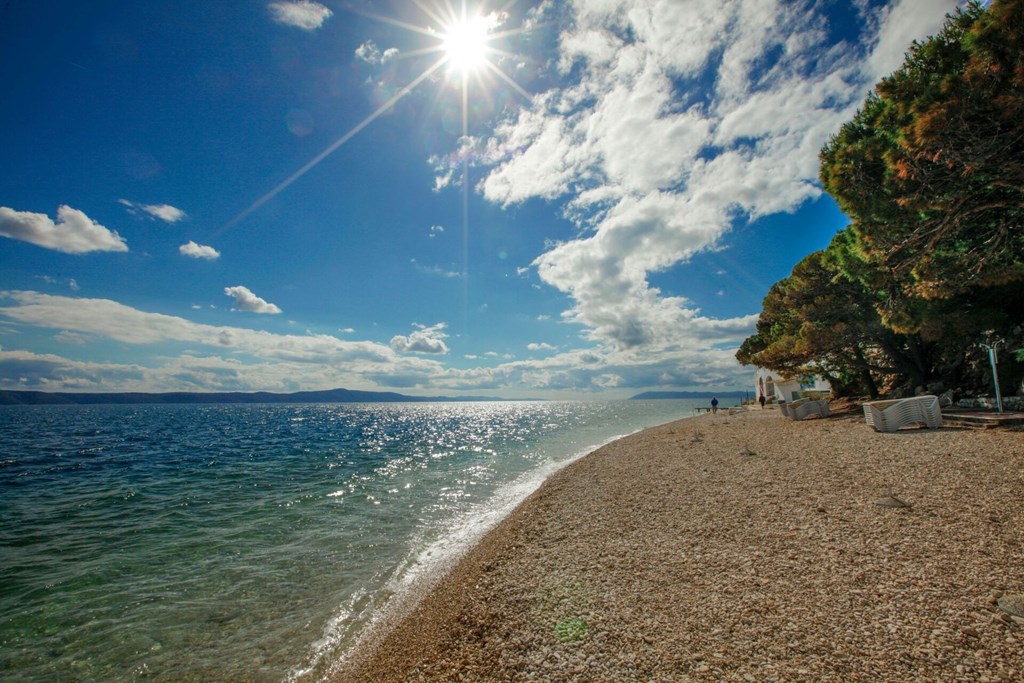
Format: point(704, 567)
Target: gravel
point(740, 547)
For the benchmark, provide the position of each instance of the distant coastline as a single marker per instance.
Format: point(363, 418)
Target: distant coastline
point(654, 395)
point(8, 397)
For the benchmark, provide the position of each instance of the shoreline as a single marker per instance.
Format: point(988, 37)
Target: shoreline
point(411, 589)
point(737, 547)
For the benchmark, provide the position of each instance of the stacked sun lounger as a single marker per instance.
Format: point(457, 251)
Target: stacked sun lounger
point(804, 407)
point(890, 416)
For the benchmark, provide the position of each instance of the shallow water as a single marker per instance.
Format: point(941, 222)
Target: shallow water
point(254, 542)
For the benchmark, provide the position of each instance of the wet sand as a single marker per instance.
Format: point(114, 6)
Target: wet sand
point(740, 547)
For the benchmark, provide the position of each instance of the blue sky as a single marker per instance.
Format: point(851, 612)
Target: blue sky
point(300, 195)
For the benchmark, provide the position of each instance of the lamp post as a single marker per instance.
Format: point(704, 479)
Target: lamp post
point(995, 375)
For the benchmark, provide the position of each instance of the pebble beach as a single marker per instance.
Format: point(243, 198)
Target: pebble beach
point(740, 547)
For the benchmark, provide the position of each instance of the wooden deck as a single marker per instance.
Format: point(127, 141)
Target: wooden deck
point(984, 419)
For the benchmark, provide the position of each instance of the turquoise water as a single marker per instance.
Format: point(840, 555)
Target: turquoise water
point(218, 543)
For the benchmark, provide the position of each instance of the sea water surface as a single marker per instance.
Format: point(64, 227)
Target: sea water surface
point(252, 542)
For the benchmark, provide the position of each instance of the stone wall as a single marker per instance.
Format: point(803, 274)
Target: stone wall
point(989, 402)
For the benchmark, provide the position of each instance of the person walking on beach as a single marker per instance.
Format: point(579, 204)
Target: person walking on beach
point(761, 399)
point(714, 405)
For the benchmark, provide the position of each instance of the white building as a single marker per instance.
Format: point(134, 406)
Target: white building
point(775, 387)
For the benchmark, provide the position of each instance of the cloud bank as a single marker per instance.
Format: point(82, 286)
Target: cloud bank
point(198, 357)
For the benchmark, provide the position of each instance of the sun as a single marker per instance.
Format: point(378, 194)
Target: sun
point(464, 41)
point(465, 44)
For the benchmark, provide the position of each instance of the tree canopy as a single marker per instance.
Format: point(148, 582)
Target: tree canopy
point(931, 173)
point(931, 169)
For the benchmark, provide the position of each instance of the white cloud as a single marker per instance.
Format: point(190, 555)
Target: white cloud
point(302, 14)
point(436, 270)
point(65, 337)
point(902, 22)
point(245, 300)
point(73, 233)
point(199, 251)
point(427, 340)
point(369, 52)
point(542, 346)
point(165, 212)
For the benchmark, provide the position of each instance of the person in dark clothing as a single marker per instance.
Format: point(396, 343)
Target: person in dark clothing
point(714, 404)
point(761, 400)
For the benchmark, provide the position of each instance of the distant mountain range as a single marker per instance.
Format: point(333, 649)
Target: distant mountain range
point(329, 396)
point(650, 395)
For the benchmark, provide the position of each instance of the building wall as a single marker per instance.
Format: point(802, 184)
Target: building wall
point(776, 388)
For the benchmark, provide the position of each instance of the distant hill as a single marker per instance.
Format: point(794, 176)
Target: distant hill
point(651, 395)
point(329, 396)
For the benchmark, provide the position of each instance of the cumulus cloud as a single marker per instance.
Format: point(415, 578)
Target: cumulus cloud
point(199, 251)
point(164, 212)
point(426, 340)
point(542, 346)
point(303, 14)
point(654, 168)
point(245, 300)
point(72, 233)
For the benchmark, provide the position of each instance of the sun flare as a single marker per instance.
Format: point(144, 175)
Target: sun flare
point(465, 44)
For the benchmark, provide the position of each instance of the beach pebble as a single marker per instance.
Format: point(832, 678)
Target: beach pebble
point(1012, 603)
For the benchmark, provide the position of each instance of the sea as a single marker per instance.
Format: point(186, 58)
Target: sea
point(254, 542)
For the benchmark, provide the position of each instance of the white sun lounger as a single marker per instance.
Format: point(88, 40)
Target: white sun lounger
point(890, 416)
